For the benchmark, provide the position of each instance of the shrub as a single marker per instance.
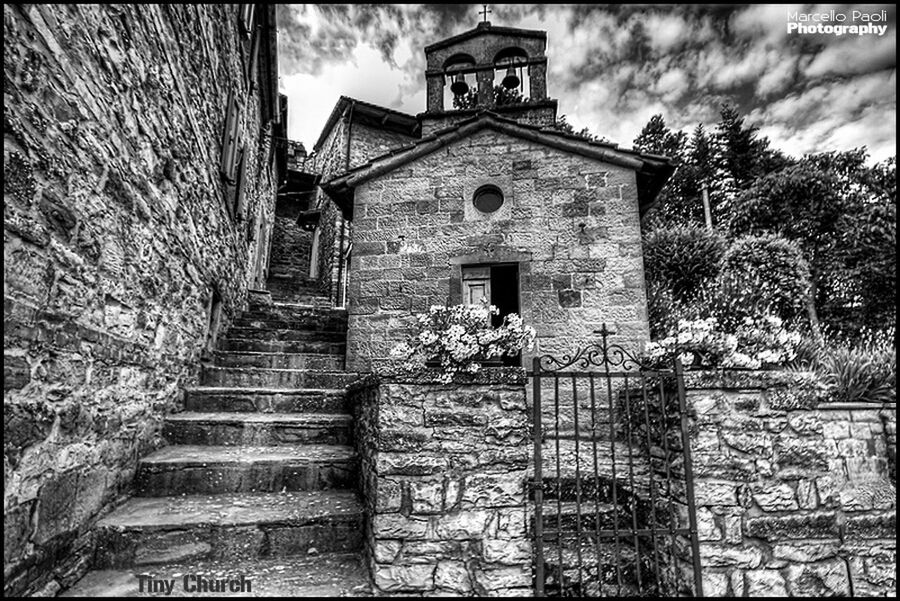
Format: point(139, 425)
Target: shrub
point(769, 272)
point(682, 258)
point(460, 336)
point(864, 373)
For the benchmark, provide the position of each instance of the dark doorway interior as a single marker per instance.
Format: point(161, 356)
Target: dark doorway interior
point(504, 290)
point(505, 296)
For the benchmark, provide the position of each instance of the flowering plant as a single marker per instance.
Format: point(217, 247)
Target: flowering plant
point(460, 337)
point(755, 343)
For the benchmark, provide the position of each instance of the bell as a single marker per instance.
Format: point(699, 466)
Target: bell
point(511, 80)
point(459, 85)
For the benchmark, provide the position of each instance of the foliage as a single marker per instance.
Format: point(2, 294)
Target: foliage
point(843, 216)
point(460, 336)
point(682, 258)
point(863, 373)
point(504, 95)
point(755, 343)
point(769, 271)
point(564, 126)
point(469, 100)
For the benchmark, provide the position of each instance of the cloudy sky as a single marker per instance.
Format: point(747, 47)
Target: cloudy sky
point(613, 67)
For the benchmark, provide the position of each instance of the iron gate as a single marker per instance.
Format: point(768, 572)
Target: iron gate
point(613, 488)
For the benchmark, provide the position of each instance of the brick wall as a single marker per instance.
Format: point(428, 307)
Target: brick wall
point(792, 498)
point(115, 234)
point(444, 473)
point(570, 222)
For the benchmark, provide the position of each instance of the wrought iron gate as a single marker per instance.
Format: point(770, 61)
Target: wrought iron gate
point(613, 488)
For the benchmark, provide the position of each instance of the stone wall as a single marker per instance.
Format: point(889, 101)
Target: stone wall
point(444, 472)
point(346, 146)
point(792, 498)
point(117, 237)
point(571, 223)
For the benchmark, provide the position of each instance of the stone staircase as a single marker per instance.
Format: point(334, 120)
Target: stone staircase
point(259, 478)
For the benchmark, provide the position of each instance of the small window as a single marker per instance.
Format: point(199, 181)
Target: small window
point(488, 199)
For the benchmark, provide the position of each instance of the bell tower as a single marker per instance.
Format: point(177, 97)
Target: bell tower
point(500, 69)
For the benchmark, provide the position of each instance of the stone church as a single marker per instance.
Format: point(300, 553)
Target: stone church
point(196, 311)
point(487, 200)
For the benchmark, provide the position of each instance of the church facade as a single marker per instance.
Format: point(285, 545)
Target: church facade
point(484, 198)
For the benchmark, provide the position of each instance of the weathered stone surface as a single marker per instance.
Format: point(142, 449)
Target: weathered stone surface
point(404, 578)
point(456, 500)
point(820, 579)
point(774, 497)
point(764, 583)
point(793, 526)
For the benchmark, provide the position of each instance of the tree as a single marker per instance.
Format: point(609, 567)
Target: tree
point(843, 216)
point(564, 126)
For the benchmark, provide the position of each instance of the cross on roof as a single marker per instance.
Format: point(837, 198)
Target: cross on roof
point(485, 12)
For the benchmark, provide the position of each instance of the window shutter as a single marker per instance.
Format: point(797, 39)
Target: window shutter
point(230, 137)
point(240, 196)
point(248, 12)
point(253, 67)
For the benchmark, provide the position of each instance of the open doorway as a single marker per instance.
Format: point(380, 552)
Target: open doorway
point(499, 285)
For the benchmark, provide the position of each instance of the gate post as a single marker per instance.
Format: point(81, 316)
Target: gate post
point(537, 485)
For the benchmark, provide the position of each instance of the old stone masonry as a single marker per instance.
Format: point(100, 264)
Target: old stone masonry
point(199, 315)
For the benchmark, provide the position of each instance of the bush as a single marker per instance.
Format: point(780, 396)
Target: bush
point(866, 372)
point(682, 258)
point(768, 272)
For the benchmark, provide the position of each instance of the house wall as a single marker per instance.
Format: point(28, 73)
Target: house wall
point(570, 222)
point(116, 233)
point(332, 158)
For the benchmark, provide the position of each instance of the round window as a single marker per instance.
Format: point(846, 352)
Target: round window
point(488, 198)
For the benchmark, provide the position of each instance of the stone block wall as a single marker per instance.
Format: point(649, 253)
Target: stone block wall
point(793, 498)
point(117, 230)
point(444, 475)
point(571, 223)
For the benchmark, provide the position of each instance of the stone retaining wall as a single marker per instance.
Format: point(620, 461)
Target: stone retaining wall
point(444, 469)
point(792, 498)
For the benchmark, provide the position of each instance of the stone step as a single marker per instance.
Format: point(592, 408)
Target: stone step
point(156, 530)
point(311, 323)
point(569, 516)
point(283, 346)
point(292, 311)
point(265, 400)
point(322, 576)
point(274, 378)
point(192, 469)
point(590, 570)
point(258, 429)
point(279, 360)
point(284, 294)
point(279, 334)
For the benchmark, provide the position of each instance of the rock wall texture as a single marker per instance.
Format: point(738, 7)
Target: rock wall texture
point(444, 471)
point(569, 222)
point(792, 498)
point(117, 237)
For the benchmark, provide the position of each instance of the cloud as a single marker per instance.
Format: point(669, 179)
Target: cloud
point(613, 67)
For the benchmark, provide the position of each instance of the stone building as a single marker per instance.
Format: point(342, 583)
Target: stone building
point(485, 198)
point(141, 156)
point(190, 301)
